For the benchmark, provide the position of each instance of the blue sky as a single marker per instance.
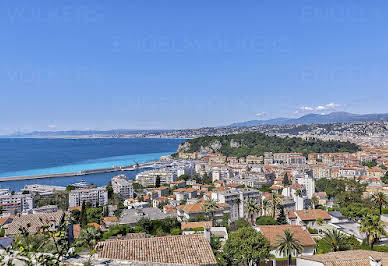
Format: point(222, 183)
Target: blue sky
point(186, 64)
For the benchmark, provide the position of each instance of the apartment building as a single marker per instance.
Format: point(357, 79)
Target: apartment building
point(16, 203)
point(96, 196)
point(122, 187)
point(148, 178)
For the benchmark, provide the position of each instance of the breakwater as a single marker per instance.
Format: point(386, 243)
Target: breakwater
point(81, 173)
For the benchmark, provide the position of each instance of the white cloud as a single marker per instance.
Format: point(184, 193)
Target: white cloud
point(261, 114)
point(326, 107)
point(52, 126)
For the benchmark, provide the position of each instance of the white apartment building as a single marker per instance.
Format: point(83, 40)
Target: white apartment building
point(236, 198)
point(308, 182)
point(148, 178)
point(16, 202)
point(93, 195)
point(122, 187)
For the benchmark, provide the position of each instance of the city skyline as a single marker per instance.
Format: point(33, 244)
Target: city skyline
point(138, 65)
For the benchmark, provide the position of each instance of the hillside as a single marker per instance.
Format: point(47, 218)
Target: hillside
point(335, 117)
point(255, 143)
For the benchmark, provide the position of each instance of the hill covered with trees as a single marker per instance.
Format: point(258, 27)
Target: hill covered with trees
point(255, 143)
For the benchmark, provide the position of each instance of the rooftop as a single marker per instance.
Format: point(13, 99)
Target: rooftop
point(274, 232)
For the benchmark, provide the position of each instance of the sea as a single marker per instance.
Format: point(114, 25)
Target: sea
point(39, 156)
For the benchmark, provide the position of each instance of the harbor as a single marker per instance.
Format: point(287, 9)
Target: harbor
point(133, 167)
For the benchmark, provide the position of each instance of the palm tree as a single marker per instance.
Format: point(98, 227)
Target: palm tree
point(314, 201)
point(265, 206)
point(335, 239)
point(298, 194)
point(371, 226)
point(252, 207)
point(288, 245)
point(380, 199)
point(89, 237)
point(209, 207)
point(274, 202)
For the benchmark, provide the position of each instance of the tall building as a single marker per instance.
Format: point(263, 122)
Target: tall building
point(16, 202)
point(122, 187)
point(96, 196)
point(148, 178)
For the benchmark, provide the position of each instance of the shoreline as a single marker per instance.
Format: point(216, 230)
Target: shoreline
point(132, 167)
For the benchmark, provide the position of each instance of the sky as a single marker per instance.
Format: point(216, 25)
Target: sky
point(145, 64)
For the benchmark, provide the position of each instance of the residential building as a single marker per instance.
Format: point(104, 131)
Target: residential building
point(168, 250)
point(122, 187)
point(148, 178)
point(308, 218)
point(273, 232)
point(345, 258)
point(95, 196)
point(16, 202)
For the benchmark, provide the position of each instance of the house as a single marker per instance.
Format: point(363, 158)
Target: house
point(132, 216)
point(193, 225)
point(34, 222)
point(345, 258)
point(273, 232)
point(169, 250)
point(178, 184)
point(158, 201)
point(189, 211)
point(185, 193)
point(308, 218)
point(162, 191)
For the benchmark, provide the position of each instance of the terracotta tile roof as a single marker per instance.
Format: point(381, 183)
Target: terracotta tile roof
point(35, 222)
point(348, 258)
point(291, 215)
point(194, 207)
point(191, 225)
point(187, 250)
point(110, 219)
point(296, 186)
point(95, 225)
point(3, 220)
point(76, 230)
point(75, 208)
point(272, 233)
point(169, 209)
point(310, 215)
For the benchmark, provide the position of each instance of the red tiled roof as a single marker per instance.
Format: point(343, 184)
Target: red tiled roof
point(187, 250)
point(274, 232)
point(191, 225)
point(310, 215)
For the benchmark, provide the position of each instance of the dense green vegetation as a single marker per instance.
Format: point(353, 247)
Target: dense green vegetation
point(254, 143)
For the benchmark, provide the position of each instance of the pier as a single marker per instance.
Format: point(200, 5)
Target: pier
point(81, 173)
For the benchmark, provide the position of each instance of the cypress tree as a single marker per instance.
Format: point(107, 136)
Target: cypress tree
point(282, 217)
point(83, 218)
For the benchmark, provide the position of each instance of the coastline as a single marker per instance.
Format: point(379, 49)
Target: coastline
point(82, 173)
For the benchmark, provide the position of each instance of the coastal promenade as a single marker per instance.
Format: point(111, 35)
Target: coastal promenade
point(81, 173)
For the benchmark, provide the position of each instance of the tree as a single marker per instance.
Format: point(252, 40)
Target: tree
point(379, 199)
point(314, 201)
point(89, 237)
point(265, 206)
point(334, 239)
point(209, 207)
point(265, 220)
point(157, 181)
point(237, 202)
point(239, 223)
point(288, 245)
point(274, 203)
point(282, 219)
point(246, 246)
point(286, 181)
point(252, 207)
point(83, 218)
point(371, 226)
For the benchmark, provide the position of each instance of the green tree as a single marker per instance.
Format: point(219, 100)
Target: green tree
point(371, 226)
point(252, 207)
point(246, 246)
point(157, 181)
point(274, 203)
point(89, 237)
point(287, 245)
point(239, 223)
point(83, 217)
point(286, 181)
point(334, 239)
point(209, 207)
point(265, 220)
point(282, 219)
point(379, 199)
point(315, 201)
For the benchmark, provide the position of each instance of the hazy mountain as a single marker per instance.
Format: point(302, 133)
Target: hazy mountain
point(335, 117)
point(84, 133)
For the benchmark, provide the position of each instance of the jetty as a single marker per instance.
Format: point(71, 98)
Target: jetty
point(81, 173)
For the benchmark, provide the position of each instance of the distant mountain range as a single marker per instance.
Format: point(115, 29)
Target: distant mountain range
point(335, 117)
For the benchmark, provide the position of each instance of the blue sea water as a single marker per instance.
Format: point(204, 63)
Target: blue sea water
point(29, 156)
